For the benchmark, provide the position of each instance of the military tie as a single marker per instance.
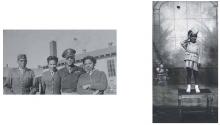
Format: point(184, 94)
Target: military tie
point(52, 73)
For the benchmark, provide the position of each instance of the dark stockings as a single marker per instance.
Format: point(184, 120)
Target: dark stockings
point(195, 75)
point(189, 73)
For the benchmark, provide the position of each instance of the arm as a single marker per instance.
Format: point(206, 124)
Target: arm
point(37, 83)
point(80, 84)
point(101, 84)
point(59, 74)
point(59, 85)
point(184, 44)
point(33, 87)
point(43, 87)
point(8, 84)
point(200, 54)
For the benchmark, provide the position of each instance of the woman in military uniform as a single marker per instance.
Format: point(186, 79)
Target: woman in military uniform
point(51, 81)
point(93, 81)
point(20, 80)
point(70, 73)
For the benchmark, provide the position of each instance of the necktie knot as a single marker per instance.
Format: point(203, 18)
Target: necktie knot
point(52, 73)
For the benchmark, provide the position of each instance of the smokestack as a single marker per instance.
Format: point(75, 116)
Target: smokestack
point(53, 48)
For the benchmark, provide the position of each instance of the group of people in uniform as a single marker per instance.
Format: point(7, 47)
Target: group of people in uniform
point(71, 79)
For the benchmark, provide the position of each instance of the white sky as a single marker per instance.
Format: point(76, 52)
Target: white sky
point(35, 43)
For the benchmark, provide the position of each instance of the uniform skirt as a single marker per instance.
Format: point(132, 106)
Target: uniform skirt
point(191, 64)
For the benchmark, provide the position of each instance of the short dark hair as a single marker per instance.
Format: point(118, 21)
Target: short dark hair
point(93, 59)
point(189, 32)
point(52, 58)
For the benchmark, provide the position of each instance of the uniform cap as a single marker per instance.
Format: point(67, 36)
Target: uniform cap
point(22, 56)
point(69, 53)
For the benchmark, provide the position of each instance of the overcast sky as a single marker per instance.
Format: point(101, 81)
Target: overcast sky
point(35, 43)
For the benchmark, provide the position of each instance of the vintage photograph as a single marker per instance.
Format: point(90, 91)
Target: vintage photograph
point(185, 61)
point(59, 62)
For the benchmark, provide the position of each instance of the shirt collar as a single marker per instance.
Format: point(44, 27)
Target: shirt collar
point(91, 72)
point(20, 69)
point(71, 69)
point(52, 72)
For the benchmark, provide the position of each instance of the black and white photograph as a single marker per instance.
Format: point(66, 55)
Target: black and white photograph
point(108, 62)
point(185, 61)
point(59, 62)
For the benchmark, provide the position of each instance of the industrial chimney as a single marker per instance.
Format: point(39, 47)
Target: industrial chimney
point(53, 48)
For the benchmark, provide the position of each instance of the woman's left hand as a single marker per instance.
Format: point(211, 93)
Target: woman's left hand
point(86, 86)
point(96, 92)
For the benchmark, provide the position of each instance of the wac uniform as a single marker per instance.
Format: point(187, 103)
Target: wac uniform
point(97, 80)
point(19, 82)
point(51, 83)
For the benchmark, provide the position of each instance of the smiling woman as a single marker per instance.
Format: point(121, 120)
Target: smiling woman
point(50, 81)
point(93, 81)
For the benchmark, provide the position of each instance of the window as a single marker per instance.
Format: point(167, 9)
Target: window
point(111, 68)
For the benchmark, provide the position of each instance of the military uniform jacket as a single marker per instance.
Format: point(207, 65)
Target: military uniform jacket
point(97, 81)
point(51, 84)
point(69, 80)
point(19, 83)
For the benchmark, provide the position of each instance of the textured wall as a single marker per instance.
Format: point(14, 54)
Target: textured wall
point(171, 26)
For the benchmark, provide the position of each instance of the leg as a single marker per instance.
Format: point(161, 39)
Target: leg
point(188, 75)
point(188, 78)
point(180, 106)
point(195, 75)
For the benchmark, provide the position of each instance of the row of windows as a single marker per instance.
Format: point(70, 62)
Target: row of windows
point(111, 68)
point(99, 57)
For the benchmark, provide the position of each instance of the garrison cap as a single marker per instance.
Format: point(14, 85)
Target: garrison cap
point(22, 56)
